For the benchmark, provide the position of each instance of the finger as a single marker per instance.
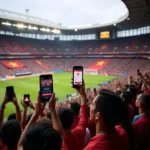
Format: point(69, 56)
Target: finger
point(14, 94)
point(38, 98)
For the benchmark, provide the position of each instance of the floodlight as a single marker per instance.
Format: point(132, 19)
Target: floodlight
point(6, 23)
point(55, 31)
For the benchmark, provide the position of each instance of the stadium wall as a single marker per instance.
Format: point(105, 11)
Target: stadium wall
point(28, 74)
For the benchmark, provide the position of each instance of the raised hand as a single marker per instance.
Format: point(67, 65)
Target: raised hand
point(81, 89)
point(15, 102)
point(52, 102)
point(23, 104)
point(5, 100)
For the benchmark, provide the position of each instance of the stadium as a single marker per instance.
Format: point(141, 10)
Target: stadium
point(114, 52)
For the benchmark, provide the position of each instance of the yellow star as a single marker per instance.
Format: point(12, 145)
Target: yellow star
point(38, 62)
point(13, 64)
point(100, 63)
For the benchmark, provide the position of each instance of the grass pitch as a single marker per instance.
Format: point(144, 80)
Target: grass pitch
point(30, 85)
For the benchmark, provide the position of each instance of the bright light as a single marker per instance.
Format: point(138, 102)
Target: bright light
point(32, 28)
point(6, 23)
point(55, 31)
point(45, 29)
point(128, 18)
point(114, 24)
point(21, 26)
point(76, 30)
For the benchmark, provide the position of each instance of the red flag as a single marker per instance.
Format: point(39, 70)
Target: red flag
point(13, 64)
point(41, 64)
point(99, 64)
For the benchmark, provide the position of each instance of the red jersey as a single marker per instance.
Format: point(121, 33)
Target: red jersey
point(2, 146)
point(115, 141)
point(147, 91)
point(75, 122)
point(142, 133)
point(75, 141)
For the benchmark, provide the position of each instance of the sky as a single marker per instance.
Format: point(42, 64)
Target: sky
point(69, 12)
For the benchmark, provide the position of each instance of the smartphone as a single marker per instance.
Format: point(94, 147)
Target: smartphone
point(77, 76)
point(10, 92)
point(26, 99)
point(46, 87)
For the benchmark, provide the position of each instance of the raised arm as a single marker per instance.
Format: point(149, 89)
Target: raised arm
point(24, 115)
point(5, 101)
point(33, 119)
point(143, 79)
point(84, 113)
point(55, 119)
point(18, 112)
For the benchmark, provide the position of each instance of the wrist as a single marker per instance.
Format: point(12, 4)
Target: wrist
point(17, 107)
point(52, 110)
point(83, 95)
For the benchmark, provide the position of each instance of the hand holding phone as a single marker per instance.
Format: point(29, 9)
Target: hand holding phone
point(10, 93)
point(77, 76)
point(46, 87)
point(26, 99)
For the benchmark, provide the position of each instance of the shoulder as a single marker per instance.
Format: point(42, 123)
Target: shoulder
point(95, 143)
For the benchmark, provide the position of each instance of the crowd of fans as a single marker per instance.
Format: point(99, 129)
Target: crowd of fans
point(114, 117)
point(118, 66)
point(20, 45)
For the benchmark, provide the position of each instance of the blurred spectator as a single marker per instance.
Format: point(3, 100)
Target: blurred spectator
point(142, 123)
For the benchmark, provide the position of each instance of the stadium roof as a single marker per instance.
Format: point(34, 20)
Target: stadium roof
point(66, 14)
point(138, 15)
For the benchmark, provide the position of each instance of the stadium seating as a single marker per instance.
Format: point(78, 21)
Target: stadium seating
point(20, 45)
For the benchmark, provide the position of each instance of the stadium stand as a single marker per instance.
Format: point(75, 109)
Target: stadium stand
point(19, 45)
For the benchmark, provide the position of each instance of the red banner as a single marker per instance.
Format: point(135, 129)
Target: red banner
point(41, 64)
point(13, 64)
point(99, 64)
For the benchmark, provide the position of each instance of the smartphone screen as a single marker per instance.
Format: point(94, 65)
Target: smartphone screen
point(46, 87)
point(77, 76)
point(10, 92)
point(27, 99)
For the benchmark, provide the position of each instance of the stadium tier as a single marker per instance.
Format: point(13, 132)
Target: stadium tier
point(12, 44)
point(121, 67)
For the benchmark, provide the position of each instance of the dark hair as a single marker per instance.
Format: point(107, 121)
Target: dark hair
point(40, 136)
point(126, 123)
point(109, 105)
point(145, 100)
point(10, 133)
point(127, 97)
point(133, 90)
point(66, 116)
point(75, 107)
point(11, 117)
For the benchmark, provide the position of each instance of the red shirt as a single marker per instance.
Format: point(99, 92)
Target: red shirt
point(147, 91)
point(92, 127)
point(2, 146)
point(116, 141)
point(75, 122)
point(142, 133)
point(75, 141)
